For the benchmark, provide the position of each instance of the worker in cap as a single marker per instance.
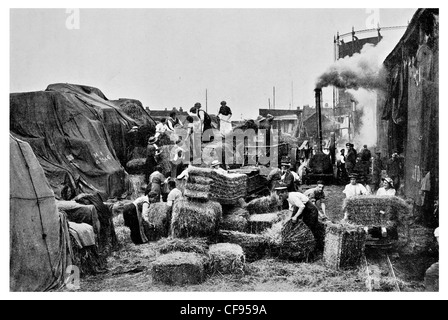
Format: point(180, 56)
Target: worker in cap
point(354, 188)
point(287, 177)
point(301, 207)
point(350, 158)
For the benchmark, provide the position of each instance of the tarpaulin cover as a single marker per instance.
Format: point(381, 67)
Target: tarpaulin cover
point(118, 116)
point(38, 233)
point(68, 129)
point(80, 213)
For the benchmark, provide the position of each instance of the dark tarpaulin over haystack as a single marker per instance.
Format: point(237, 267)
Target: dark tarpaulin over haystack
point(118, 117)
point(68, 129)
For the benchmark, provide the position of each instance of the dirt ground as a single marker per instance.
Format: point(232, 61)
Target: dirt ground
point(129, 270)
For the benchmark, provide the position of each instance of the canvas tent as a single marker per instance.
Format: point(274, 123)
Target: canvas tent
point(77, 136)
point(39, 237)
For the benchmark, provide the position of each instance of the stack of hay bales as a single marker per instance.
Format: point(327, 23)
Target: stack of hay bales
point(255, 246)
point(198, 188)
point(236, 219)
point(195, 218)
point(180, 268)
point(267, 204)
point(291, 241)
point(344, 246)
point(223, 188)
point(196, 215)
point(159, 218)
point(226, 258)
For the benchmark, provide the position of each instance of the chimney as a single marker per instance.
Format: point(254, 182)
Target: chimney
point(318, 92)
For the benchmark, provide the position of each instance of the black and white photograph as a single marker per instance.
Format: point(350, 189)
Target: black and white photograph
point(225, 149)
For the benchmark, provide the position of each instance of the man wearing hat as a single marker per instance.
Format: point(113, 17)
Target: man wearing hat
point(387, 189)
point(152, 151)
point(350, 158)
point(302, 208)
point(287, 177)
point(224, 115)
point(216, 166)
point(354, 188)
point(259, 119)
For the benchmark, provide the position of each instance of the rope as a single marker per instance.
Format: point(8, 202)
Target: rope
point(44, 235)
point(393, 273)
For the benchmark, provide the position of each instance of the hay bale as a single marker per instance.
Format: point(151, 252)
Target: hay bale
point(195, 219)
point(199, 180)
point(267, 204)
point(258, 223)
point(159, 219)
point(319, 236)
point(197, 187)
point(196, 195)
point(201, 172)
point(291, 241)
point(196, 245)
point(226, 258)
point(137, 186)
point(373, 211)
point(136, 166)
point(255, 246)
point(179, 269)
point(236, 220)
point(344, 246)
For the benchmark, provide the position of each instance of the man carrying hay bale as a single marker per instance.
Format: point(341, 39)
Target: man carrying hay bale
point(157, 218)
point(156, 180)
point(317, 194)
point(301, 207)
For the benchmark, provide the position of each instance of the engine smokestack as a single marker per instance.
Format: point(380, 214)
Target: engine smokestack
point(318, 92)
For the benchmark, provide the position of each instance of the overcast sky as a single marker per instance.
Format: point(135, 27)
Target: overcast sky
point(169, 57)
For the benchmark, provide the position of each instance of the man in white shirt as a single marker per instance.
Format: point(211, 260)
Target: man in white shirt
point(354, 188)
point(301, 207)
point(161, 127)
point(174, 195)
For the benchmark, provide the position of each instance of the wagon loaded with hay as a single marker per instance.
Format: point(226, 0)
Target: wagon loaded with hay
point(378, 215)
